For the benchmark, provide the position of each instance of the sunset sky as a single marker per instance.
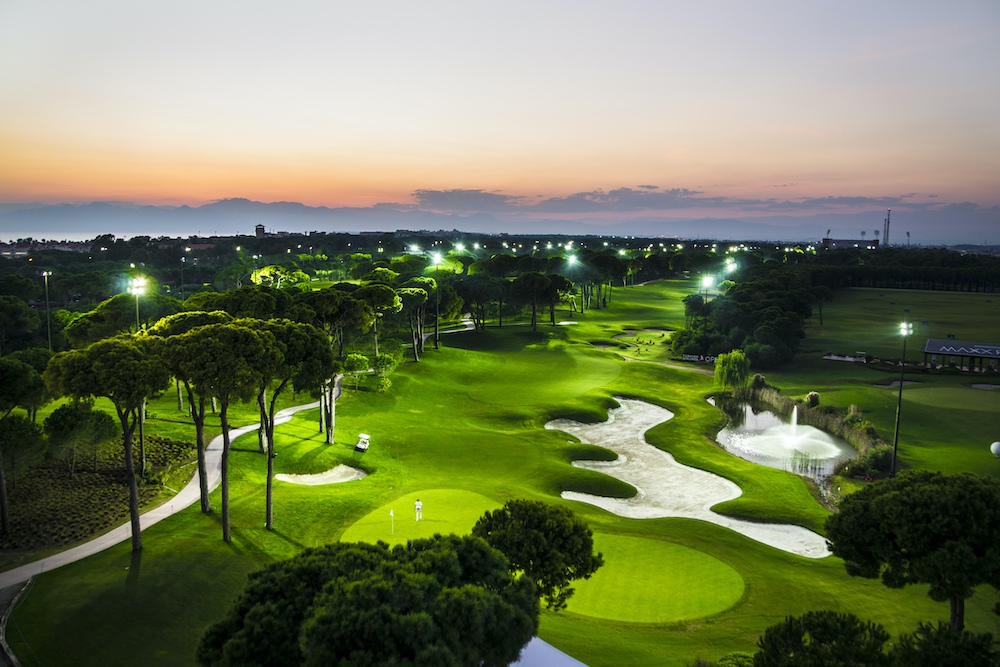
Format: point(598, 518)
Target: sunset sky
point(520, 109)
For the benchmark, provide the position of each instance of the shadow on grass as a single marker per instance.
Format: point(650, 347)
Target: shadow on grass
point(132, 578)
point(288, 539)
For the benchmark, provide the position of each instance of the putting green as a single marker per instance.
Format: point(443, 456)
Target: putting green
point(445, 511)
point(950, 398)
point(527, 379)
point(652, 581)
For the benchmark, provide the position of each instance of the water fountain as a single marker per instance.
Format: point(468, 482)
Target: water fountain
point(764, 438)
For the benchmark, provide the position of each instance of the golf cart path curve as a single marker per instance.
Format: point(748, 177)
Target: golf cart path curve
point(186, 497)
point(666, 488)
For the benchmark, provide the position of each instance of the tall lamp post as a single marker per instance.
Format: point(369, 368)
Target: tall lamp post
point(437, 299)
point(905, 329)
point(706, 282)
point(571, 260)
point(138, 284)
point(48, 321)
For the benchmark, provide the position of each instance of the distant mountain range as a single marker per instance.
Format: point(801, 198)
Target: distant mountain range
point(240, 216)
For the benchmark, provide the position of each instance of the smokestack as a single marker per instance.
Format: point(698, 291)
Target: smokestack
point(885, 236)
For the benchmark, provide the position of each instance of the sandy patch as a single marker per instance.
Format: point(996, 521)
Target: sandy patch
point(666, 488)
point(341, 473)
point(894, 383)
point(988, 387)
point(566, 322)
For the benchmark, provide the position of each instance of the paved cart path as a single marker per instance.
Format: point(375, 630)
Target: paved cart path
point(187, 496)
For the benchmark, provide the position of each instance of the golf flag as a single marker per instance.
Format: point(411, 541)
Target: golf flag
point(391, 514)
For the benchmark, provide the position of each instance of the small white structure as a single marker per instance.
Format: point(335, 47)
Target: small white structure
point(362, 442)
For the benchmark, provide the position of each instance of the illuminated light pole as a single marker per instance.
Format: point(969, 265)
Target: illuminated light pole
point(138, 285)
point(437, 299)
point(48, 321)
point(183, 262)
point(571, 260)
point(905, 329)
point(706, 282)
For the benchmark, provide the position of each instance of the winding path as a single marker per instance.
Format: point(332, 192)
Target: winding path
point(187, 496)
point(666, 488)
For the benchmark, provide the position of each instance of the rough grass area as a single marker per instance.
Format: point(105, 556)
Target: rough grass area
point(51, 507)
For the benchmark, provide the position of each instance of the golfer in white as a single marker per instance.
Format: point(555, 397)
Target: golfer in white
point(418, 506)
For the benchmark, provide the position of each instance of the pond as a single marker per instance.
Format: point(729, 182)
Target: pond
point(760, 436)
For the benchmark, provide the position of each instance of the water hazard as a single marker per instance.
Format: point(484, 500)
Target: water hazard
point(762, 437)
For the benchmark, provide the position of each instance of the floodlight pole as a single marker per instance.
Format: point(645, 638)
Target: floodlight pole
point(137, 288)
point(48, 320)
point(437, 300)
point(906, 329)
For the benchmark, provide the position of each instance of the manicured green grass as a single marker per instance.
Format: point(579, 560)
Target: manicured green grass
point(868, 319)
point(445, 511)
point(654, 581)
point(463, 430)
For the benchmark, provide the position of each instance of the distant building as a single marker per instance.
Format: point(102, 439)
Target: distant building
point(962, 354)
point(834, 244)
point(259, 231)
point(12, 250)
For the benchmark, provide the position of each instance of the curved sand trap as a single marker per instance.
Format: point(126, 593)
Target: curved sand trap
point(988, 387)
point(341, 473)
point(666, 488)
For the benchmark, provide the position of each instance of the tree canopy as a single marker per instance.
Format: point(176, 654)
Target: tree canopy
point(438, 601)
point(732, 369)
point(923, 527)
point(75, 425)
point(121, 370)
point(548, 543)
point(15, 318)
point(823, 639)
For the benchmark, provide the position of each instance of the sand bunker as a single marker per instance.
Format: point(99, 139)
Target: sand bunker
point(666, 488)
point(341, 473)
point(895, 383)
point(988, 387)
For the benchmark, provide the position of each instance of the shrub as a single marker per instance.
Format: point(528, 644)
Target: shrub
point(853, 415)
point(759, 381)
point(875, 460)
point(938, 646)
point(812, 399)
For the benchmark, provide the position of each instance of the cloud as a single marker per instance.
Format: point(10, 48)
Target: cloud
point(390, 206)
point(651, 198)
point(466, 201)
point(624, 200)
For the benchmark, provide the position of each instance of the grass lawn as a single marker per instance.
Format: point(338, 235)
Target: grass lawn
point(655, 581)
point(463, 430)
